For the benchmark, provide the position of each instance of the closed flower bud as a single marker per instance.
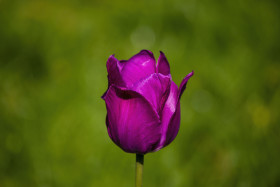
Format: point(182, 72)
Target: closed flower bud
point(143, 103)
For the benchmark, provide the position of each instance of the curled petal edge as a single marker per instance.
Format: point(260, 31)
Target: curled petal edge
point(184, 84)
point(174, 123)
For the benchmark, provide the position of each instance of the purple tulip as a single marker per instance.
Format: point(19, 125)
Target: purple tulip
point(143, 103)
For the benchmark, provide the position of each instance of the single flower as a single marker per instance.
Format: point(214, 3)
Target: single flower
point(143, 103)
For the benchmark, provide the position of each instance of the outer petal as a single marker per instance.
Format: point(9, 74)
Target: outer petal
point(163, 65)
point(168, 111)
point(155, 89)
point(138, 67)
point(171, 114)
point(114, 75)
point(174, 123)
point(132, 123)
point(184, 83)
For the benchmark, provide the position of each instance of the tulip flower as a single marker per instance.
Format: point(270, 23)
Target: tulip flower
point(143, 103)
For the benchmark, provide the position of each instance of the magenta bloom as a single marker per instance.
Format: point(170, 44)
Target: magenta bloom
point(143, 103)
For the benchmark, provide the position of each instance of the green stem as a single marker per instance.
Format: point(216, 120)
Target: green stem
point(139, 170)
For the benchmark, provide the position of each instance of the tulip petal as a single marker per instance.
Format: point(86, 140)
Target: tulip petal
point(155, 89)
point(114, 75)
point(184, 83)
point(168, 111)
point(163, 65)
point(139, 66)
point(174, 124)
point(171, 113)
point(132, 123)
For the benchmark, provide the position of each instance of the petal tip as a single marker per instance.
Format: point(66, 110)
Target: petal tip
point(103, 96)
point(112, 59)
point(189, 75)
point(184, 83)
point(163, 66)
point(192, 73)
point(148, 52)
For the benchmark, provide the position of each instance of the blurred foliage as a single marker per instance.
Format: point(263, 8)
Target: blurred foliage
point(53, 73)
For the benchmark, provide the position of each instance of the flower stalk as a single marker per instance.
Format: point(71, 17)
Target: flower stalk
point(139, 170)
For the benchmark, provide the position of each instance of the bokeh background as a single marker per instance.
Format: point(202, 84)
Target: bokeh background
point(52, 75)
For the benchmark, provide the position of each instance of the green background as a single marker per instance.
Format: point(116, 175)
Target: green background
point(53, 72)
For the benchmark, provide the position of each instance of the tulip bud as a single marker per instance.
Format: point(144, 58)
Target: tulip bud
point(143, 103)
